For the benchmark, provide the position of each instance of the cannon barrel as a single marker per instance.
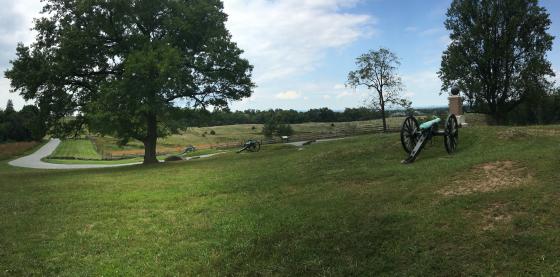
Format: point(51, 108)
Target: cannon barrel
point(429, 124)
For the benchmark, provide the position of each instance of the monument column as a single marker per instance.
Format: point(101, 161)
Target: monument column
point(456, 106)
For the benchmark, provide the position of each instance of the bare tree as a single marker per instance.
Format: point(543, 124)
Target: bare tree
point(377, 71)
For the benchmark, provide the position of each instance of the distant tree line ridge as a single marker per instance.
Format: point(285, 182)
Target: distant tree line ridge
point(25, 125)
point(202, 118)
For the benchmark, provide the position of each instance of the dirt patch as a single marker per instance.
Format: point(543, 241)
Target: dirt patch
point(489, 177)
point(511, 134)
point(494, 216)
point(527, 132)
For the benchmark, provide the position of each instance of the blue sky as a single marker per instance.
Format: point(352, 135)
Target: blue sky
point(413, 29)
point(302, 50)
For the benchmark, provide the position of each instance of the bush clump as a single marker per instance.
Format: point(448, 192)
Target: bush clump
point(273, 127)
point(173, 159)
point(284, 130)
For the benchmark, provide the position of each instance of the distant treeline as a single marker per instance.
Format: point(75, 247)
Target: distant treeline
point(25, 125)
point(201, 118)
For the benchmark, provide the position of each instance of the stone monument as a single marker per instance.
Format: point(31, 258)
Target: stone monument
point(456, 106)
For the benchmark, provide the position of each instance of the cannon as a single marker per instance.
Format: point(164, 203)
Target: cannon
point(251, 146)
point(189, 149)
point(414, 136)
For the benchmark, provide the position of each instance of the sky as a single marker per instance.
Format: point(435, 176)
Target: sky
point(302, 50)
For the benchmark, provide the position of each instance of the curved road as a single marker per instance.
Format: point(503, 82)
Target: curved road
point(34, 160)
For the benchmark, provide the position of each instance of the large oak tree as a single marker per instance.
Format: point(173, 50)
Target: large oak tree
point(497, 54)
point(123, 66)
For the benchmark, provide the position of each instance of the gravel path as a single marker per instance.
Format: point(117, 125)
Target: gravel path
point(302, 143)
point(34, 160)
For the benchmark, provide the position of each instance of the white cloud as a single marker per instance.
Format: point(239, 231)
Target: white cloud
point(290, 37)
point(422, 85)
point(288, 95)
point(339, 86)
point(431, 31)
point(16, 20)
point(344, 94)
point(326, 97)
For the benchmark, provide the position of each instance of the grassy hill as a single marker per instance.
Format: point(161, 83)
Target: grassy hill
point(345, 207)
point(81, 149)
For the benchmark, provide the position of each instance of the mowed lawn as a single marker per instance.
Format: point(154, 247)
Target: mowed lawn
point(341, 208)
point(77, 149)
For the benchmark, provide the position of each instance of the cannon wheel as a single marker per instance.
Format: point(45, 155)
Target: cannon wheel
point(451, 138)
point(409, 136)
point(255, 147)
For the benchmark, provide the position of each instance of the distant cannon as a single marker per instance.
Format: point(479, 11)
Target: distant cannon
point(414, 137)
point(251, 146)
point(189, 149)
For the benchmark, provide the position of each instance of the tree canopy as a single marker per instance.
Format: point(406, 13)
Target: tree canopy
point(123, 67)
point(497, 54)
point(25, 125)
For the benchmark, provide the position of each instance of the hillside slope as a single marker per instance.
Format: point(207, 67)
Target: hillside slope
point(346, 207)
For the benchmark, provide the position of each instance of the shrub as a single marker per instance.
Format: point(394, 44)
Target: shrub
point(173, 159)
point(284, 130)
point(270, 128)
point(212, 132)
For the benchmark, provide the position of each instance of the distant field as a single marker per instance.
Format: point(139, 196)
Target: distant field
point(76, 149)
point(14, 149)
point(202, 136)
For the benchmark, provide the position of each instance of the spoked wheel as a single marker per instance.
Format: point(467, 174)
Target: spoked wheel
point(255, 147)
point(409, 135)
point(451, 138)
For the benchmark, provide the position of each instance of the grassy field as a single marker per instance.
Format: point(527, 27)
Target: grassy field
point(15, 149)
point(202, 136)
point(342, 208)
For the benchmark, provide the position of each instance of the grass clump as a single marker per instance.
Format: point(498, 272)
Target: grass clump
point(173, 159)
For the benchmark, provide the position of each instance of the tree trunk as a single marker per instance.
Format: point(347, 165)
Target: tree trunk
point(382, 104)
point(150, 141)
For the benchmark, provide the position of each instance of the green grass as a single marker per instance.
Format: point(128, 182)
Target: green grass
point(108, 162)
point(341, 208)
point(77, 149)
point(201, 136)
point(130, 160)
